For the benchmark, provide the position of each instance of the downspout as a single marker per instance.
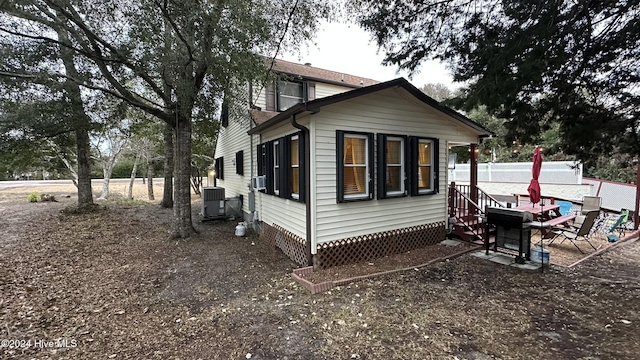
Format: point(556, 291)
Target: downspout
point(252, 193)
point(307, 183)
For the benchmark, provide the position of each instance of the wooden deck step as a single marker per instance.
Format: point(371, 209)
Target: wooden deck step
point(492, 239)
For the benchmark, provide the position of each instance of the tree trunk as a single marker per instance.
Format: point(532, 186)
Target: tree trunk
point(150, 171)
point(85, 193)
point(107, 170)
point(80, 121)
point(182, 226)
point(133, 176)
point(105, 185)
point(167, 195)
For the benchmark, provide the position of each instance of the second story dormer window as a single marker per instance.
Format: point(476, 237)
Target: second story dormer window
point(289, 94)
point(284, 94)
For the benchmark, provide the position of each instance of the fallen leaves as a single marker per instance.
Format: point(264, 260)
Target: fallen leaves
point(112, 281)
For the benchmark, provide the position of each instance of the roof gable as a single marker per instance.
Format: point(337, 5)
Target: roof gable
point(316, 105)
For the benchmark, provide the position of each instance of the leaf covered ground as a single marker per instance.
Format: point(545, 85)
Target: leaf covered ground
point(113, 285)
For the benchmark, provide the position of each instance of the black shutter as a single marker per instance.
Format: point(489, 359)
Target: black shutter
point(371, 164)
point(382, 166)
point(302, 166)
point(270, 97)
point(339, 166)
point(408, 170)
point(240, 162)
point(219, 167)
point(436, 166)
point(269, 166)
point(285, 167)
point(413, 165)
point(260, 158)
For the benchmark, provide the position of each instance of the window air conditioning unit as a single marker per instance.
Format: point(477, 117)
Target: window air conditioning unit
point(213, 203)
point(259, 182)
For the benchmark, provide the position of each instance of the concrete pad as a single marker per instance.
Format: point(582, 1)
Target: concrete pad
point(451, 242)
point(482, 254)
point(503, 259)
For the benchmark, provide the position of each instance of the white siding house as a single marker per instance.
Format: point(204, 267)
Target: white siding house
point(354, 170)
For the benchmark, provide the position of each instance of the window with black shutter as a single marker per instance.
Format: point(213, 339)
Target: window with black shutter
point(240, 163)
point(392, 163)
point(219, 168)
point(281, 162)
point(354, 161)
point(423, 165)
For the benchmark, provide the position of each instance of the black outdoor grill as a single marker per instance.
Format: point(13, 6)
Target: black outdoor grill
point(512, 231)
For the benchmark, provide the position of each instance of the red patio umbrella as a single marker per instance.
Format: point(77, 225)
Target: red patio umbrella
point(534, 187)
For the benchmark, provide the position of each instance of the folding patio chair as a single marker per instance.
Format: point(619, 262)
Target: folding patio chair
point(590, 203)
point(617, 229)
point(577, 234)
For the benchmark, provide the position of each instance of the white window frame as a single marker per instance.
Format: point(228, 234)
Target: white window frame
point(276, 168)
point(401, 165)
point(431, 164)
point(366, 165)
point(279, 95)
point(297, 166)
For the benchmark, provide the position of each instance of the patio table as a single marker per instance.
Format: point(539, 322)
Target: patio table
point(544, 226)
point(544, 213)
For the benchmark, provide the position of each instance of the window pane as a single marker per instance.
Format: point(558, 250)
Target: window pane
point(276, 167)
point(290, 89)
point(294, 152)
point(286, 103)
point(289, 94)
point(295, 180)
point(424, 153)
point(354, 180)
point(355, 151)
point(424, 177)
point(295, 172)
point(394, 179)
point(394, 152)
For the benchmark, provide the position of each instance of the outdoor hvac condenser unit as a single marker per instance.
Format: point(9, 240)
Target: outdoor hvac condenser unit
point(213, 203)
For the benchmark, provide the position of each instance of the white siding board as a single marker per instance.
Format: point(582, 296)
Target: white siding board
point(324, 90)
point(231, 139)
point(288, 213)
point(258, 97)
point(384, 112)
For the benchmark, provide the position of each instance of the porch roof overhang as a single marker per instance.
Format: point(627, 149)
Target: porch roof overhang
point(315, 106)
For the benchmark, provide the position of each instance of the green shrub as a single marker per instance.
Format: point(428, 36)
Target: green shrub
point(33, 197)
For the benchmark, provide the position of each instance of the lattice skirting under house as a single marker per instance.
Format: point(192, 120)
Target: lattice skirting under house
point(372, 246)
point(291, 245)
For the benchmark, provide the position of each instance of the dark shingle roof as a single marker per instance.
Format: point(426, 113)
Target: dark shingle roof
point(322, 75)
point(260, 117)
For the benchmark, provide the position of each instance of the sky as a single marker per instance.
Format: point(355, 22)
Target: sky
point(349, 49)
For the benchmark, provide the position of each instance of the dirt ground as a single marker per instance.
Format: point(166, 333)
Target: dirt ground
point(110, 285)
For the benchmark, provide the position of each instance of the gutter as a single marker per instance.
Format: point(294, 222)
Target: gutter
point(307, 183)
